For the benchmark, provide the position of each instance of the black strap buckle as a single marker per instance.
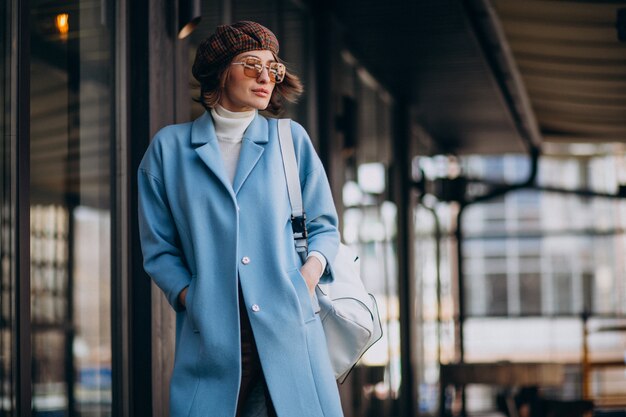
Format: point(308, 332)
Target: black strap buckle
point(298, 225)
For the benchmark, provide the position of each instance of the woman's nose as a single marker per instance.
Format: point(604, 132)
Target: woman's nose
point(264, 76)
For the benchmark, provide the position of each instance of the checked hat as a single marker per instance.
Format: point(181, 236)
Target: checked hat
point(228, 41)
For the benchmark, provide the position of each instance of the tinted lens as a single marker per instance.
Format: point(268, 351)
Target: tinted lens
point(253, 68)
point(277, 72)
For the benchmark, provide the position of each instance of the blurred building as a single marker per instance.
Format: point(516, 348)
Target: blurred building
point(475, 150)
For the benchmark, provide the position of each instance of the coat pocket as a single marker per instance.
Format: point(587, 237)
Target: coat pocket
point(308, 303)
point(189, 299)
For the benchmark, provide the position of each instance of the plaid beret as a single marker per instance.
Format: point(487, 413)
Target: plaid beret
point(228, 41)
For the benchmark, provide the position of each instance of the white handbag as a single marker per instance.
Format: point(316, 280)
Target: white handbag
point(349, 314)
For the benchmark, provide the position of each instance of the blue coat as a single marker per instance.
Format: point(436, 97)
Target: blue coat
point(200, 231)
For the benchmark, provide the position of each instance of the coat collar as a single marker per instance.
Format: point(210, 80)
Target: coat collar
point(205, 140)
point(203, 130)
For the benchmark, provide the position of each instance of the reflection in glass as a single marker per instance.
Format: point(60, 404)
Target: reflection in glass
point(434, 249)
point(371, 231)
point(530, 292)
point(541, 268)
point(369, 226)
point(71, 125)
point(371, 177)
point(7, 225)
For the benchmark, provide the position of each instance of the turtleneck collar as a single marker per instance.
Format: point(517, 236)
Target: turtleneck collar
point(224, 112)
point(229, 125)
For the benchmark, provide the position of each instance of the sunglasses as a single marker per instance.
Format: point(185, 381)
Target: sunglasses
point(253, 67)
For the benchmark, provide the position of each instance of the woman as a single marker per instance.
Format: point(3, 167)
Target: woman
point(216, 234)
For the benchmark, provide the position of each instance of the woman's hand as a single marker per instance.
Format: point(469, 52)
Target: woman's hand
point(311, 271)
point(182, 297)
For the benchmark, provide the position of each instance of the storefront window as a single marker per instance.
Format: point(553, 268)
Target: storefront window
point(7, 225)
point(70, 148)
point(545, 272)
point(434, 255)
point(369, 225)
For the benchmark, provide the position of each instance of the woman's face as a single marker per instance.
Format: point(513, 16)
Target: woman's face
point(243, 93)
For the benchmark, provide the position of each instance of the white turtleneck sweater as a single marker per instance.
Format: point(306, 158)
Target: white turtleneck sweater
point(229, 129)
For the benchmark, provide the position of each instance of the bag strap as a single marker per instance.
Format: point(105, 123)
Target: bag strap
point(290, 166)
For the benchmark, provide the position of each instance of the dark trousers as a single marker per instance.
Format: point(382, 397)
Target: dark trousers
point(251, 372)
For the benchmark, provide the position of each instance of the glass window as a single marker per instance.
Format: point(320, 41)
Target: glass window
point(535, 261)
point(530, 294)
point(369, 225)
point(496, 297)
point(296, 50)
point(7, 226)
point(435, 333)
point(72, 79)
point(536, 339)
point(211, 13)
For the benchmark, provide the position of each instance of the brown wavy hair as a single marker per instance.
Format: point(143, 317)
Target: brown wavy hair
point(212, 87)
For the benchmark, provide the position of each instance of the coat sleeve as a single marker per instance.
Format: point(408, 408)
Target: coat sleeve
point(160, 243)
point(318, 202)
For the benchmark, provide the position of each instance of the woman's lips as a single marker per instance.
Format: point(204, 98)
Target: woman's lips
point(261, 92)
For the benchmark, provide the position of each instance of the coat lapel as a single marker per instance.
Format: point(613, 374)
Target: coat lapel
point(255, 136)
point(249, 156)
point(204, 138)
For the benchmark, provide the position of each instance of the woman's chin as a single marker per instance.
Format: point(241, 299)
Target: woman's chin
point(260, 105)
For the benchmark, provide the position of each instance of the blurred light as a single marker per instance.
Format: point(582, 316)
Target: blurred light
point(81, 348)
point(367, 78)
point(62, 24)
point(604, 278)
point(441, 165)
point(542, 339)
point(427, 165)
point(429, 200)
point(348, 58)
point(351, 225)
point(381, 391)
point(189, 15)
point(431, 375)
point(351, 194)
point(372, 231)
point(388, 212)
point(372, 177)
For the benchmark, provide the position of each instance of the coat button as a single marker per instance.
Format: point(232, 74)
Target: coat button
point(255, 308)
point(245, 260)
